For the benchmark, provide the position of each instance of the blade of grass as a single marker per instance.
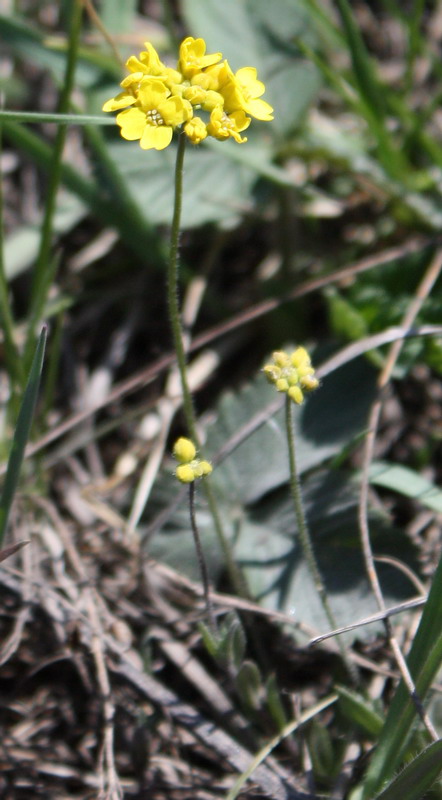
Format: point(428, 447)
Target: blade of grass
point(417, 777)
point(45, 266)
point(21, 434)
point(59, 119)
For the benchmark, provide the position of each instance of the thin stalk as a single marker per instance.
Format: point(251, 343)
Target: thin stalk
point(304, 534)
point(201, 562)
point(45, 266)
point(177, 336)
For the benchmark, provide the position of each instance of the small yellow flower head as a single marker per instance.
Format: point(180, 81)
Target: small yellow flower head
point(157, 100)
point(292, 373)
point(184, 450)
point(193, 59)
point(190, 467)
point(185, 473)
point(195, 130)
point(154, 117)
point(223, 126)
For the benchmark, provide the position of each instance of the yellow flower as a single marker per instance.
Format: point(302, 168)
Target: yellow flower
point(190, 467)
point(292, 373)
point(185, 473)
point(158, 99)
point(223, 125)
point(195, 130)
point(243, 90)
point(184, 450)
point(154, 117)
point(193, 59)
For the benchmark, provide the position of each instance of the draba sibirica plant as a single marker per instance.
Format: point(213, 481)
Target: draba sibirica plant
point(190, 467)
point(292, 373)
point(202, 97)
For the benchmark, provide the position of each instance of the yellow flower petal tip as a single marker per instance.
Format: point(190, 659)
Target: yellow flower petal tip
point(292, 373)
point(158, 100)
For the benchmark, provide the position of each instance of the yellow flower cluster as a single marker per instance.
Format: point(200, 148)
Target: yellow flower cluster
point(158, 99)
point(190, 467)
point(292, 373)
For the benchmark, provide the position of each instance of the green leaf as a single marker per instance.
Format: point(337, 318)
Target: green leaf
point(118, 17)
point(324, 762)
point(251, 484)
point(215, 189)
point(417, 777)
point(21, 434)
point(407, 482)
point(249, 685)
point(359, 711)
point(274, 702)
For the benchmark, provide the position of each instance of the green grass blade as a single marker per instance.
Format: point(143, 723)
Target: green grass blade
point(21, 434)
point(417, 777)
point(59, 119)
point(45, 267)
point(424, 661)
point(362, 66)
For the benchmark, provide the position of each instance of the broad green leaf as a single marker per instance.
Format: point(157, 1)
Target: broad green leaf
point(417, 777)
point(407, 482)
point(326, 423)
point(215, 189)
point(118, 17)
point(21, 434)
point(251, 484)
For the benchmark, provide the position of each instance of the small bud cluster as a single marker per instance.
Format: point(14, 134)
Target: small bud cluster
point(190, 467)
point(292, 373)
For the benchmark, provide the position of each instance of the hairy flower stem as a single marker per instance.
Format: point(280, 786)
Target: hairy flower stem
point(201, 562)
point(235, 575)
point(304, 534)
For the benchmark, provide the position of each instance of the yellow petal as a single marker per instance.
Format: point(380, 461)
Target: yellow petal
point(120, 101)
point(132, 123)
point(156, 138)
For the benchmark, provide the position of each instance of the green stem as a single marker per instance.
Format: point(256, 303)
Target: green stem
point(46, 266)
point(235, 575)
point(304, 533)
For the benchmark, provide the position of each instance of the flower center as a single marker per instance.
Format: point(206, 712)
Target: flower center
point(153, 117)
point(226, 123)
